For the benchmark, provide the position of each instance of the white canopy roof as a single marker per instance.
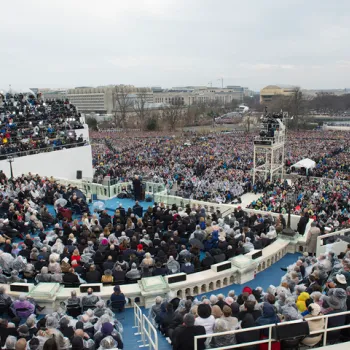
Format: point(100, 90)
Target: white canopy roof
point(305, 163)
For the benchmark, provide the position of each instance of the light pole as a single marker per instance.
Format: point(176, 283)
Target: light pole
point(290, 200)
point(10, 159)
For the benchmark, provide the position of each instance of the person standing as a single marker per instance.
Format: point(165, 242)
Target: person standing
point(311, 239)
point(137, 188)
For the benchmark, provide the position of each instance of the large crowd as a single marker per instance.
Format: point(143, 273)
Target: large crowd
point(323, 200)
point(30, 125)
point(311, 287)
point(216, 167)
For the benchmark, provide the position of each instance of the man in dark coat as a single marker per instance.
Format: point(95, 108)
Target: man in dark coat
point(183, 336)
point(70, 277)
point(137, 188)
point(304, 219)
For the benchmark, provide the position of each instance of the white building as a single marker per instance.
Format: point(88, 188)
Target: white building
point(191, 95)
point(103, 99)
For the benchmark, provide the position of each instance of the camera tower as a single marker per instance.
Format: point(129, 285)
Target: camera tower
point(269, 146)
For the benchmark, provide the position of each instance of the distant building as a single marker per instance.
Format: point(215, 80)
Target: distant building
point(103, 99)
point(189, 95)
point(54, 94)
point(270, 91)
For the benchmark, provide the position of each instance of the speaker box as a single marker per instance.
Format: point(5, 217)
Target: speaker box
point(175, 279)
point(95, 287)
point(257, 255)
point(19, 288)
point(225, 265)
point(79, 174)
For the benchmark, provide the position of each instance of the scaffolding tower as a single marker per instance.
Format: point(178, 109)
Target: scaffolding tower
point(269, 147)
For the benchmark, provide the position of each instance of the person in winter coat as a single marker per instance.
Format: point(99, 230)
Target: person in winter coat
point(302, 301)
point(224, 340)
point(311, 239)
point(268, 317)
point(248, 336)
point(314, 325)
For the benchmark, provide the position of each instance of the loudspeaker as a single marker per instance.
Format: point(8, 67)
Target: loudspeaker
point(257, 255)
point(223, 267)
point(95, 287)
point(175, 279)
point(19, 288)
point(79, 174)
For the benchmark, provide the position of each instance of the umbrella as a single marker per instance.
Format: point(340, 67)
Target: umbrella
point(196, 242)
point(99, 205)
point(80, 194)
point(61, 202)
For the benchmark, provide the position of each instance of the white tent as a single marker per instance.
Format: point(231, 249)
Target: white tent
point(305, 163)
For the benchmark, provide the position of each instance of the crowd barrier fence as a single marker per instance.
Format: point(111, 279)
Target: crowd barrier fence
point(271, 328)
point(149, 335)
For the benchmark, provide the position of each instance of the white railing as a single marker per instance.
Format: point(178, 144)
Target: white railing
point(149, 335)
point(337, 248)
point(137, 319)
point(270, 328)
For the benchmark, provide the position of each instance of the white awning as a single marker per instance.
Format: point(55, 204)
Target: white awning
point(305, 163)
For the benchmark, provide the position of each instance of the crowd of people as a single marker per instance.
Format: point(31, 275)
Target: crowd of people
point(216, 167)
point(30, 125)
point(80, 323)
point(311, 287)
point(40, 246)
point(323, 200)
point(97, 247)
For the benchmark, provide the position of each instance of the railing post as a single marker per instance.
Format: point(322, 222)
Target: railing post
point(325, 331)
point(270, 336)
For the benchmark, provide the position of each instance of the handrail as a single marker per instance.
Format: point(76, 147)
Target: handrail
point(320, 239)
point(43, 150)
point(270, 340)
point(138, 319)
point(147, 330)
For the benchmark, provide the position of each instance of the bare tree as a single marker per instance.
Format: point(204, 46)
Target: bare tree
point(173, 113)
point(296, 105)
point(248, 121)
point(139, 107)
point(123, 105)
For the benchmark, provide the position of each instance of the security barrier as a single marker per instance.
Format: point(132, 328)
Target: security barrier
point(270, 328)
point(149, 335)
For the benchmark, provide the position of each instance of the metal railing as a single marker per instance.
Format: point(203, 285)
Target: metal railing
point(270, 328)
point(321, 239)
point(137, 319)
point(148, 333)
point(43, 150)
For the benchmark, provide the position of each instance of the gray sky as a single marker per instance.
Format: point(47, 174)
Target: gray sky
point(66, 43)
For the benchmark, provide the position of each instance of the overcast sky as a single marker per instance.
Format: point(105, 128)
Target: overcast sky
point(254, 43)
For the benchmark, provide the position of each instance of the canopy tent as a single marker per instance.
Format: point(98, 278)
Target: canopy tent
point(306, 164)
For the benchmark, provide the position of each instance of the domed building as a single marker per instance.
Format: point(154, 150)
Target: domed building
point(268, 92)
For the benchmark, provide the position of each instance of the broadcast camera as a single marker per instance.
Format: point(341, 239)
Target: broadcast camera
point(270, 124)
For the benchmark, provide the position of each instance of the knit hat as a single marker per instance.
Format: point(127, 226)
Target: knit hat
point(247, 290)
point(104, 241)
point(139, 246)
point(314, 309)
point(107, 328)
